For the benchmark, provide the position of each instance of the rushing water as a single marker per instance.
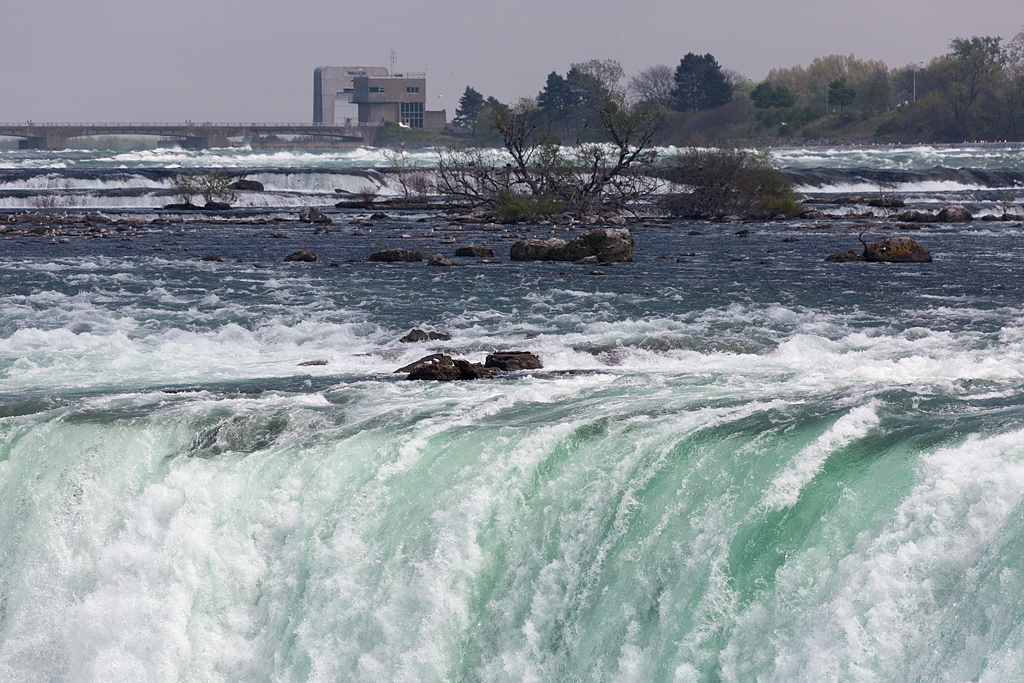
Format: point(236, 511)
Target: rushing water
point(739, 463)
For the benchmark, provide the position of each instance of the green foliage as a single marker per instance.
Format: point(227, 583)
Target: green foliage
point(764, 96)
point(877, 95)
point(794, 117)
point(700, 84)
point(215, 187)
point(986, 52)
point(840, 94)
point(780, 205)
point(681, 128)
point(471, 105)
point(782, 97)
point(570, 105)
point(727, 180)
point(515, 207)
point(391, 135)
point(186, 186)
point(975, 92)
point(212, 186)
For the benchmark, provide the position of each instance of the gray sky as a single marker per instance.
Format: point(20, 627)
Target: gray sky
point(253, 61)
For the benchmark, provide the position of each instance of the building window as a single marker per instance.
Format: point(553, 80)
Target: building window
point(412, 114)
point(412, 88)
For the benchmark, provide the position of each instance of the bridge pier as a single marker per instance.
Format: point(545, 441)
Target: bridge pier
point(54, 139)
point(205, 141)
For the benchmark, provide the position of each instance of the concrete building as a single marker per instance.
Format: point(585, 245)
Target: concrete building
point(378, 96)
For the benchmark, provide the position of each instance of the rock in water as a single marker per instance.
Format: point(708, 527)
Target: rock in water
point(913, 216)
point(469, 370)
point(474, 251)
point(513, 360)
point(247, 185)
point(417, 335)
point(537, 250)
point(393, 255)
point(439, 260)
point(310, 215)
point(955, 214)
point(607, 244)
point(304, 255)
point(897, 250)
point(845, 257)
point(443, 368)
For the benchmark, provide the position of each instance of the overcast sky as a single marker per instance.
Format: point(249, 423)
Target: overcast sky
point(253, 61)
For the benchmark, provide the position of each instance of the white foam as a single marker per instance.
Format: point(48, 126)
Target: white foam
point(785, 489)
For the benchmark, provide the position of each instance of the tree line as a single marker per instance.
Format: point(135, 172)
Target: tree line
point(973, 92)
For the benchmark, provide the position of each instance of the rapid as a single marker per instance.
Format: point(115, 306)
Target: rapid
point(739, 462)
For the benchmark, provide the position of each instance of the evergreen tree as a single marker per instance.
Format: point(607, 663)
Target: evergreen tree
point(563, 99)
point(763, 96)
point(782, 97)
point(840, 93)
point(493, 103)
point(555, 99)
point(700, 84)
point(470, 105)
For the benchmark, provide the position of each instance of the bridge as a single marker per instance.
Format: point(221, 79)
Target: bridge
point(190, 135)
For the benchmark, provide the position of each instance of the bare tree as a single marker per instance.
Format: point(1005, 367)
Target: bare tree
point(593, 177)
point(413, 180)
point(653, 85)
point(734, 78)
